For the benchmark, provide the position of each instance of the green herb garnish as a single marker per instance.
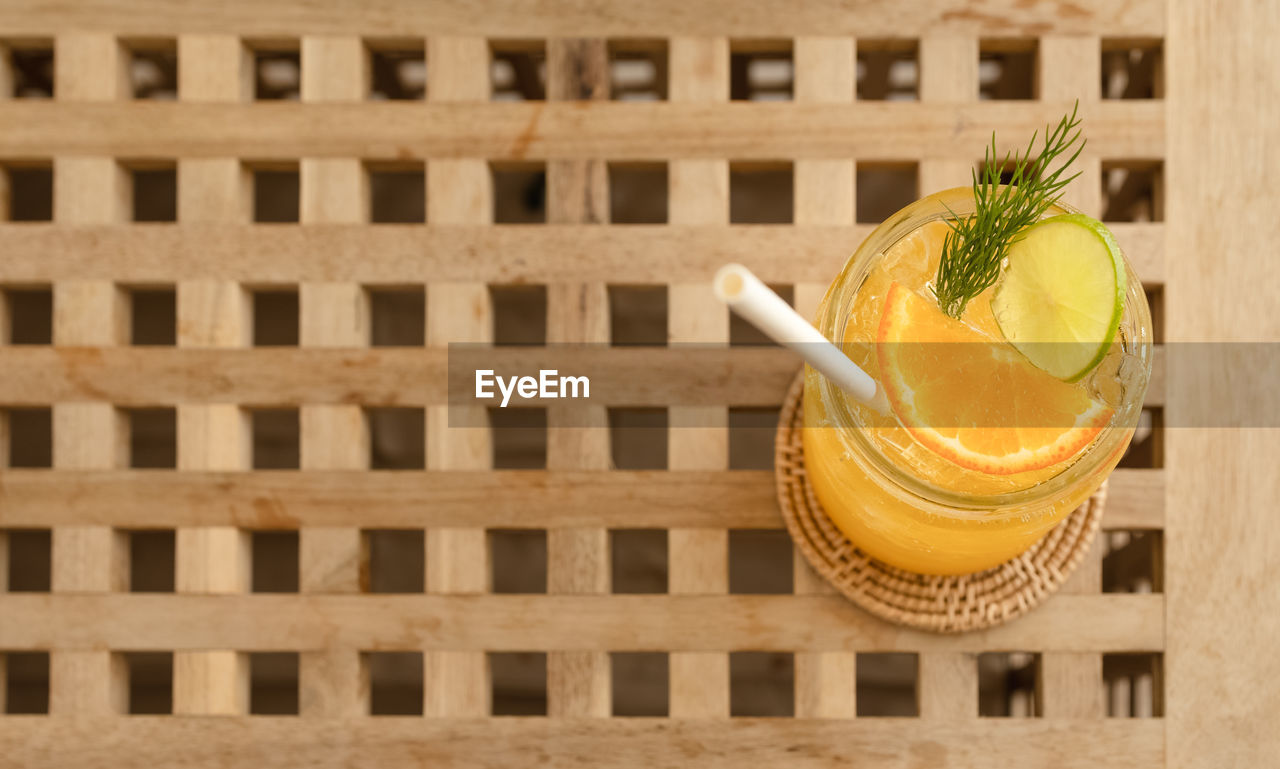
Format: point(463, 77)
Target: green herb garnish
point(977, 245)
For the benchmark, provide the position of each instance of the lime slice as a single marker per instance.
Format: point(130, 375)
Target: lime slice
point(1060, 298)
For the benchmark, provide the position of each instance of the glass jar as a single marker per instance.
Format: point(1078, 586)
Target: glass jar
point(899, 514)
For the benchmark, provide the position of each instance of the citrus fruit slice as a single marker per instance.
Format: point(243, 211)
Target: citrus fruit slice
point(974, 400)
point(1060, 298)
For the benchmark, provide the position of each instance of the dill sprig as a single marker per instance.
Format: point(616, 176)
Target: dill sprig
point(976, 246)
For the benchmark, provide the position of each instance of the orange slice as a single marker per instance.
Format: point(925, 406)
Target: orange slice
point(973, 399)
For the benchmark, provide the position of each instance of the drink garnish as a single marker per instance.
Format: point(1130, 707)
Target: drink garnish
point(1061, 297)
point(977, 245)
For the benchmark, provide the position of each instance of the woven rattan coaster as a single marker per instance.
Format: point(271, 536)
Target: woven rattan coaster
point(941, 604)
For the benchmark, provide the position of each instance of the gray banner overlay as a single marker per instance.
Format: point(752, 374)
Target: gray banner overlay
point(1193, 384)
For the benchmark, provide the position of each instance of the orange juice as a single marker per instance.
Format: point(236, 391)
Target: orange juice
point(899, 492)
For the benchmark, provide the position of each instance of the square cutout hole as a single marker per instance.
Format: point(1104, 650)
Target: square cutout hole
point(153, 68)
point(152, 560)
point(150, 682)
point(638, 438)
point(275, 192)
point(888, 70)
point(519, 438)
point(154, 190)
point(29, 315)
point(395, 561)
point(30, 437)
point(761, 684)
point(1007, 68)
point(1132, 69)
point(761, 192)
point(518, 70)
point(397, 438)
point(640, 683)
point(1132, 191)
point(518, 558)
point(273, 683)
point(1135, 684)
point(274, 561)
point(277, 72)
point(29, 188)
point(638, 315)
point(883, 189)
point(398, 316)
point(1133, 561)
point(519, 193)
point(153, 438)
point(519, 683)
point(395, 683)
point(275, 439)
point(26, 682)
point(397, 193)
point(760, 562)
point(638, 560)
point(31, 69)
point(519, 315)
point(153, 316)
point(397, 70)
point(1009, 684)
point(638, 70)
point(761, 70)
point(30, 560)
point(638, 193)
point(1146, 450)
point(887, 684)
point(275, 317)
point(751, 431)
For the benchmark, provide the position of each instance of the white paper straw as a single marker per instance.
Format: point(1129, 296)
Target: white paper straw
point(753, 300)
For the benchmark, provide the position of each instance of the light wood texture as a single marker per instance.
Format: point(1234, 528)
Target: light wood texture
point(332, 682)
point(578, 682)
point(459, 192)
point(611, 18)
point(1221, 569)
point(641, 499)
point(693, 374)
point(947, 687)
point(87, 435)
point(682, 623)
point(698, 559)
point(679, 129)
point(895, 743)
point(824, 194)
point(215, 436)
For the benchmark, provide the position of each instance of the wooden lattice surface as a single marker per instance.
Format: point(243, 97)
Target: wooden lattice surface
point(871, 94)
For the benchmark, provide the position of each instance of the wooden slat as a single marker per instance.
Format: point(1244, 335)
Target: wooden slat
point(693, 375)
point(676, 623)
point(948, 685)
point(1221, 566)
point(504, 499)
point(143, 742)
point(578, 682)
point(608, 18)
point(211, 313)
point(459, 192)
point(518, 131)
point(394, 254)
point(698, 558)
point(824, 194)
point(87, 435)
point(332, 682)
point(1071, 684)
